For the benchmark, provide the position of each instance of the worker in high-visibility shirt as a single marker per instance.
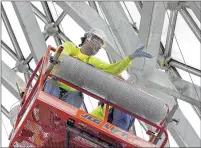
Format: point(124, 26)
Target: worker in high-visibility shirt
point(115, 116)
point(91, 43)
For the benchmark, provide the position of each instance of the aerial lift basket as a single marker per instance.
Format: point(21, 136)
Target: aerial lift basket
point(46, 121)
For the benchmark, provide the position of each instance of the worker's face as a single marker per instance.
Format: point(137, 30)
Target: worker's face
point(91, 45)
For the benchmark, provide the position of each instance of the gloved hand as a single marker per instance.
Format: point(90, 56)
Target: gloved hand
point(138, 53)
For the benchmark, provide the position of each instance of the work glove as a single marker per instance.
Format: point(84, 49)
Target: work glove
point(138, 53)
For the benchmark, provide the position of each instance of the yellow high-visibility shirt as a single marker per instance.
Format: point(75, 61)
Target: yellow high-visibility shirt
point(99, 112)
point(114, 69)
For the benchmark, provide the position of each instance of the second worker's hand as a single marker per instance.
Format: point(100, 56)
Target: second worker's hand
point(139, 53)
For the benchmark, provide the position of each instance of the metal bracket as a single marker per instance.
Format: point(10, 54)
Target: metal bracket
point(168, 119)
point(54, 62)
point(54, 59)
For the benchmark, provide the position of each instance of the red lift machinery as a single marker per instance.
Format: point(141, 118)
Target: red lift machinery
point(46, 121)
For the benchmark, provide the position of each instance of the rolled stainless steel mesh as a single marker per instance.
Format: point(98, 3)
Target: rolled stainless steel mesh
point(126, 95)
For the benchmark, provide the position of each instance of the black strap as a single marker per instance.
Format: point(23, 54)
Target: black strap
point(110, 115)
point(100, 104)
point(62, 92)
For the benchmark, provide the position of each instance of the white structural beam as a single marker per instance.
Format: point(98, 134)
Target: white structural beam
point(5, 111)
point(170, 33)
point(191, 23)
point(31, 29)
point(185, 67)
point(150, 34)
point(138, 5)
point(187, 89)
point(184, 130)
point(60, 18)
point(9, 50)
point(11, 35)
point(183, 133)
point(120, 25)
point(162, 83)
point(126, 35)
point(10, 80)
point(88, 18)
point(184, 95)
point(128, 38)
point(39, 14)
point(63, 37)
point(92, 4)
point(150, 30)
point(196, 8)
point(183, 91)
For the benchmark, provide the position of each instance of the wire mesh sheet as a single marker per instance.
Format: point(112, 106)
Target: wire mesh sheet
point(44, 128)
point(126, 95)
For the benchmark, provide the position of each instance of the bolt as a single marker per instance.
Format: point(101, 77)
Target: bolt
point(176, 121)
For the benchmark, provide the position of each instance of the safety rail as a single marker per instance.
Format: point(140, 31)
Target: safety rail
point(42, 67)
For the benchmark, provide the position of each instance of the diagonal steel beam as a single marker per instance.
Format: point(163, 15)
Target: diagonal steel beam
point(9, 50)
point(28, 59)
point(191, 23)
point(196, 8)
point(183, 133)
point(5, 111)
point(11, 34)
point(119, 23)
point(181, 93)
point(27, 76)
point(92, 4)
point(47, 12)
point(187, 89)
point(170, 33)
point(60, 18)
point(124, 31)
point(139, 5)
point(39, 14)
point(150, 30)
point(184, 95)
point(185, 67)
point(173, 71)
point(177, 132)
point(30, 27)
point(9, 80)
point(63, 37)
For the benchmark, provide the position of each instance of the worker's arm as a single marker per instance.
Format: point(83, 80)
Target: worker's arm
point(69, 48)
point(120, 66)
point(113, 69)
